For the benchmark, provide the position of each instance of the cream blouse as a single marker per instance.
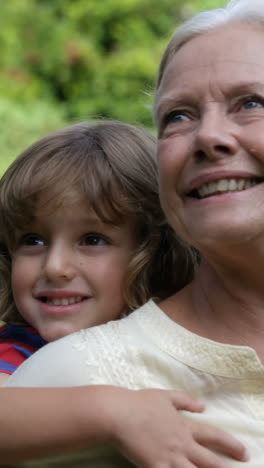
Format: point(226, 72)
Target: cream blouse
point(149, 350)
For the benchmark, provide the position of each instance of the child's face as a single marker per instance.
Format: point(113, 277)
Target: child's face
point(68, 270)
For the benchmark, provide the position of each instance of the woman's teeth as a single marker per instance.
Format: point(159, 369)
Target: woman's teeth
point(63, 301)
point(224, 186)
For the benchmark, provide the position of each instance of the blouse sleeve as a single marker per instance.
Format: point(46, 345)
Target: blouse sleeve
point(58, 364)
point(112, 354)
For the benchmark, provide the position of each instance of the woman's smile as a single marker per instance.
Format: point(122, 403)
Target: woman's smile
point(217, 185)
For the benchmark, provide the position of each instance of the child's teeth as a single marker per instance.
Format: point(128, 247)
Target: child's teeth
point(63, 301)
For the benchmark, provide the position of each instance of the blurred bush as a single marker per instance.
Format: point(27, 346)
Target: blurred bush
point(21, 124)
point(72, 60)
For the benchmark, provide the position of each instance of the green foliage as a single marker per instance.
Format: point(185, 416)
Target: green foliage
point(93, 58)
point(22, 124)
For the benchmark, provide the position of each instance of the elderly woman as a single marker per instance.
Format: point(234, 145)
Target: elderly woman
point(208, 338)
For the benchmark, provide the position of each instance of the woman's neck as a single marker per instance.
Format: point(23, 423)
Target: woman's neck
point(226, 302)
point(222, 304)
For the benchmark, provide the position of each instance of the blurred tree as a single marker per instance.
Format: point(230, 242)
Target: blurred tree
point(22, 124)
point(87, 58)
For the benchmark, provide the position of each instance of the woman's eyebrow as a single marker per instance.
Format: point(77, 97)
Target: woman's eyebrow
point(182, 98)
point(245, 87)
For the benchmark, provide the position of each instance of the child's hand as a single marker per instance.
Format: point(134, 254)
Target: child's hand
point(151, 433)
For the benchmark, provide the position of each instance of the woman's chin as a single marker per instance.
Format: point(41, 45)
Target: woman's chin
point(221, 237)
point(230, 226)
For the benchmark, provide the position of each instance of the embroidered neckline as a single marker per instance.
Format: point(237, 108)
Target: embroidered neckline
point(233, 361)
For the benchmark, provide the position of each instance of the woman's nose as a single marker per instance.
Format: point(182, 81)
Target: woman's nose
point(214, 137)
point(59, 264)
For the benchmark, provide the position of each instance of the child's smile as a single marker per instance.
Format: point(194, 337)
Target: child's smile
point(61, 302)
point(68, 270)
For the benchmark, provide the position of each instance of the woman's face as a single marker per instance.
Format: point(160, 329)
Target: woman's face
point(211, 137)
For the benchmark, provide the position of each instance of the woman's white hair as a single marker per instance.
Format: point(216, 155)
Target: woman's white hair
point(245, 11)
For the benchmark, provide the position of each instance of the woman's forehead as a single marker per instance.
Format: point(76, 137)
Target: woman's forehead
point(235, 49)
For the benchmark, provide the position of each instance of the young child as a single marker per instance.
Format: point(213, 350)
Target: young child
point(83, 238)
point(83, 241)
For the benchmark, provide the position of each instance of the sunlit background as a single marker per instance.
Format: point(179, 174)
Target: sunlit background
point(65, 61)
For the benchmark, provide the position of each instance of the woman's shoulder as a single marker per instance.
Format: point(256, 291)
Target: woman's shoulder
point(86, 356)
point(114, 329)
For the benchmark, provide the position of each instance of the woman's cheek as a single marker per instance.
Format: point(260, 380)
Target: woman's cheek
point(252, 140)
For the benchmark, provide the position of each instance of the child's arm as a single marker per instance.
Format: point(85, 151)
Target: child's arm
point(144, 425)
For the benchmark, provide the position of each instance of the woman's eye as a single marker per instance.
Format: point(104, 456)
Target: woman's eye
point(176, 116)
point(93, 240)
point(253, 102)
point(31, 239)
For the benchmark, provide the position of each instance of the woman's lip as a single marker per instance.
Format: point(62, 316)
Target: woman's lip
point(197, 182)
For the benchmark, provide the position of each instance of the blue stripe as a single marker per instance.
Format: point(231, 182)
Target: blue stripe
point(16, 332)
point(23, 351)
point(7, 366)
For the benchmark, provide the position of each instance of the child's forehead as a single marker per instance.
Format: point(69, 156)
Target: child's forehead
point(76, 209)
point(62, 206)
point(75, 220)
point(108, 205)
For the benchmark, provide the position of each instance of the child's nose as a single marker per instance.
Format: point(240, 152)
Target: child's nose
point(59, 264)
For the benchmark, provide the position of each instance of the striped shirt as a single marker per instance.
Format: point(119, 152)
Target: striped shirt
point(17, 343)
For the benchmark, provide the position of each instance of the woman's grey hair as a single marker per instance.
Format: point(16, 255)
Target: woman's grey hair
point(236, 11)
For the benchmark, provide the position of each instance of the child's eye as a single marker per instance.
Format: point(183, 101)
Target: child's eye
point(31, 239)
point(94, 239)
point(253, 102)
